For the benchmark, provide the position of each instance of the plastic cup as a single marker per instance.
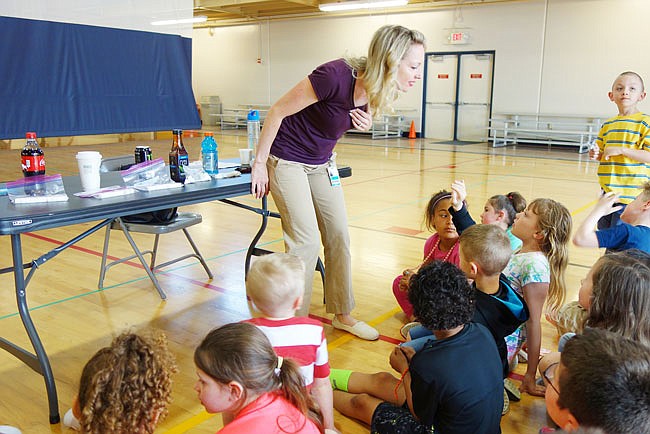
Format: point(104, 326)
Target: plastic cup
point(246, 155)
point(89, 162)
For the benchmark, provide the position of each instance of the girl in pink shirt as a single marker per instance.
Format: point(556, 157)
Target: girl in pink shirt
point(441, 246)
point(240, 373)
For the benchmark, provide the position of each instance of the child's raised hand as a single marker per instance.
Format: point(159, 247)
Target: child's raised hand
point(458, 194)
point(606, 204)
point(594, 151)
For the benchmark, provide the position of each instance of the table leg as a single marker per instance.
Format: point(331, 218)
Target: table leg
point(252, 248)
point(43, 366)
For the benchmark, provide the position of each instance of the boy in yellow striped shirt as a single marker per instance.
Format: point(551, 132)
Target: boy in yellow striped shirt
point(623, 145)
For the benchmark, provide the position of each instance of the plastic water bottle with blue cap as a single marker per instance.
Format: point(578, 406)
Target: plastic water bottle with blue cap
point(253, 125)
point(209, 155)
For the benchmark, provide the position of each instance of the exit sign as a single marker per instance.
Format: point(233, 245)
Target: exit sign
point(456, 38)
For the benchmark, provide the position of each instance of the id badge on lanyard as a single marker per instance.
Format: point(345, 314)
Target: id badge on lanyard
point(333, 171)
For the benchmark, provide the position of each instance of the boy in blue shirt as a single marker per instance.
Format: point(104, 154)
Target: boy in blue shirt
point(633, 233)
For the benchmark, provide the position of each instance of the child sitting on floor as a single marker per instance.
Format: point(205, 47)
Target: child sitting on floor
point(441, 246)
point(499, 210)
point(602, 380)
point(453, 384)
point(275, 285)
point(239, 372)
point(616, 292)
point(125, 387)
point(484, 253)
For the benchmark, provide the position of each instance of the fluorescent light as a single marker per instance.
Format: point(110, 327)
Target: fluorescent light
point(355, 4)
point(197, 19)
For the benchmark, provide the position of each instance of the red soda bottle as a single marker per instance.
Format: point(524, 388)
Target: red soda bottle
point(32, 157)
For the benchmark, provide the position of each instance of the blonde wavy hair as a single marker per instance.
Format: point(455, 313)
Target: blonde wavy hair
point(378, 69)
point(554, 222)
point(125, 387)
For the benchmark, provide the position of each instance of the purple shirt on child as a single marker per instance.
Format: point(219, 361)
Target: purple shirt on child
point(310, 135)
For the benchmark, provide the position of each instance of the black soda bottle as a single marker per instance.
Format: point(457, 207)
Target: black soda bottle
point(178, 157)
point(32, 157)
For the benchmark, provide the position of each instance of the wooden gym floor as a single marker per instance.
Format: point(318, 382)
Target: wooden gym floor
point(391, 183)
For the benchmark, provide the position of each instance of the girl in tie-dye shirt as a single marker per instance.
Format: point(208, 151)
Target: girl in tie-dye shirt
point(537, 273)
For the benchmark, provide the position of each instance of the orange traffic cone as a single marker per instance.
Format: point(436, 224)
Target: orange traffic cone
point(412, 134)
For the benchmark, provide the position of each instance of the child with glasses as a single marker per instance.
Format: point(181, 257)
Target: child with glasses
point(611, 394)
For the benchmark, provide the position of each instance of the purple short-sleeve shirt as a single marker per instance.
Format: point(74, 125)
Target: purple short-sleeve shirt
point(310, 135)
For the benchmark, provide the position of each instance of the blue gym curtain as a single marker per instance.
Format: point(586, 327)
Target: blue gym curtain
point(61, 79)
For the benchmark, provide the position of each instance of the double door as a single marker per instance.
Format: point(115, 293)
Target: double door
point(458, 95)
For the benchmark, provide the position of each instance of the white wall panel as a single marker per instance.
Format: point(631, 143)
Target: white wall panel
point(121, 14)
point(552, 56)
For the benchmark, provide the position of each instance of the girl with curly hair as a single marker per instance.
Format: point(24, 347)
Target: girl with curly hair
point(125, 387)
point(240, 373)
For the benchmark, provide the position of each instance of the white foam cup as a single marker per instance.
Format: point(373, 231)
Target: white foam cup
point(246, 156)
point(89, 162)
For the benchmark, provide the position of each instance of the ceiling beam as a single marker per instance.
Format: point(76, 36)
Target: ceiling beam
point(220, 4)
point(313, 3)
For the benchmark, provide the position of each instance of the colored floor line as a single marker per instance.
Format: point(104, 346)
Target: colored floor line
point(133, 264)
point(79, 248)
point(203, 416)
point(410, 172)
point(190, 423)
point(516, 376)
point(373, 213)
point(465, 151)
point(348, 337)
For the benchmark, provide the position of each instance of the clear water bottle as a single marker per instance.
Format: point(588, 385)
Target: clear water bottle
point(593, 149)
point(253, 125)
point(209, 154)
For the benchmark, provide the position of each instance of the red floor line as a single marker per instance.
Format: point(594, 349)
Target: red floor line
point(410, 172)
point(193, 281)
point(200, 283)
point(381, 337)
point(80, 249)
point(131, 263)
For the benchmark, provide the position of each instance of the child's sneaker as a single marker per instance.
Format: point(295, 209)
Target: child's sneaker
point(70, 421)
point(522, 356)
point(506, 403)
point(512, 390)
point(406, 328)
point(6, 429)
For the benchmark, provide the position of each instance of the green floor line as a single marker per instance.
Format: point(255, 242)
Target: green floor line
point(145, 277)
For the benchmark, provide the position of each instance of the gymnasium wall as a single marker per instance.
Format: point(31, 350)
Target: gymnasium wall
point(552, 56)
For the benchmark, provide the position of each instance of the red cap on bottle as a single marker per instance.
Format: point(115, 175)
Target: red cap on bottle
point(30, 135)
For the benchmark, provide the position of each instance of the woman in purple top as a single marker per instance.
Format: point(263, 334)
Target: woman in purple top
point(294, 157)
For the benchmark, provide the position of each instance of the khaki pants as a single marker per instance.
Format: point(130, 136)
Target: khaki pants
point(312, 210)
